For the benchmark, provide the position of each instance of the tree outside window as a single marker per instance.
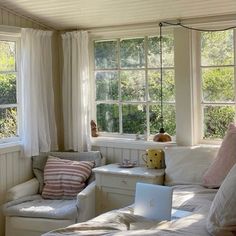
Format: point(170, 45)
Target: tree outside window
point(8, 90)
point(127, 78)
point(217, 82)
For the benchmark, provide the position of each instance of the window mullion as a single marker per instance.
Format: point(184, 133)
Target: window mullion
point(119, 88)
point(146, 86)
point(234, 48)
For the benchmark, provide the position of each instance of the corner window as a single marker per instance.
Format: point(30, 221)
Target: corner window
point(9, 109)
point(217, 83)
point(127, 78)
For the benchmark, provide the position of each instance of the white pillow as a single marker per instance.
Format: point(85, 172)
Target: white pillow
point(221, 218)
point(186, 165)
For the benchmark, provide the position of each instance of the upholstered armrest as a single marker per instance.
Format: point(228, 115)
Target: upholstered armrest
point(86, 203)
point(21, 190)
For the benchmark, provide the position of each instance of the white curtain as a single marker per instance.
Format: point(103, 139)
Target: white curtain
point(75, 91)
point(39, 126)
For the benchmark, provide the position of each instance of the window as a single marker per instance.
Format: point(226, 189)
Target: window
point(217, 82)
point(9, 127)
point(127, 78)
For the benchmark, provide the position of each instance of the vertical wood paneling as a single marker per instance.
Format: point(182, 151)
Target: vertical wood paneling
point(103, 150)
point(134, 156)
point(5, 18)
point(140, 154)
point(126, 154)
point(110, 154)
point(1, 16)
point(117, 155)
point(17, 21)
point(11, 19)
point(13, 170)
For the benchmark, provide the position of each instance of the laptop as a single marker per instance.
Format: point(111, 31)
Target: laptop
point(155, 202)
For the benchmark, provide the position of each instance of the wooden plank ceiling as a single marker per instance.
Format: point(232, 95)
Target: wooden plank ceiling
point(75, 14)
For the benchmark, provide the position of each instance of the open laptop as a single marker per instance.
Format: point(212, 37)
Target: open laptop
point(155, 202)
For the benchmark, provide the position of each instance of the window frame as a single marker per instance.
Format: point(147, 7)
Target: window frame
point(145, 69)
point(14, 37)
point(199, 130)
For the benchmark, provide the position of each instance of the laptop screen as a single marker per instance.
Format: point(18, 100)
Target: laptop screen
point(153, 201)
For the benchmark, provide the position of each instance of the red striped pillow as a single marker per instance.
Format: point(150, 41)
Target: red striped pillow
point(64, 179)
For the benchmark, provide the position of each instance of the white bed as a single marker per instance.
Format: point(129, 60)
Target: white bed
point(192, 198)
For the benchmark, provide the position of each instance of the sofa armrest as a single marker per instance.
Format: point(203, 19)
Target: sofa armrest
point(86, 203)
point(21, 190)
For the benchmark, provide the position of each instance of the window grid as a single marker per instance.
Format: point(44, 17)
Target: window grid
point(13, 71)
point(204, 103)
point(147, 102)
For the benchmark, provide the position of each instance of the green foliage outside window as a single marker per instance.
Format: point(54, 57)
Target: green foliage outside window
point(218, 82)
point(8, 98)
point(128, 85)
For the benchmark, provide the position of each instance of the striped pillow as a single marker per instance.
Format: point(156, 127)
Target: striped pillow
point(64, 179)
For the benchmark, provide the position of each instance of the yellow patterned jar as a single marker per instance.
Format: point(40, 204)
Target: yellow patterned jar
point(154, 158)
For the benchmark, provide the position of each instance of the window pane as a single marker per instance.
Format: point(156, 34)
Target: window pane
point(7, 56)
point(168, 115)
point(106, 86)
point(218, 84)
point(134, 119)
point(217, 119)
point(167, 51)
point(7, 88)
point(132, 85)
point(168, 88)
point(217, 48)
point(106, 55)
point(108, 117)
point(132, 53)
point(8, 122)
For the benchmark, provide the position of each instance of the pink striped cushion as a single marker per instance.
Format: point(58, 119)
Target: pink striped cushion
point(64, 179)
point(224, 161)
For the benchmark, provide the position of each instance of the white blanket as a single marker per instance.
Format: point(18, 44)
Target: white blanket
point(192, 198)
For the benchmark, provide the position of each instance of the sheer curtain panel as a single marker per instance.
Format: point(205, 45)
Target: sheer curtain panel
point(39, 125)
point(75, 91)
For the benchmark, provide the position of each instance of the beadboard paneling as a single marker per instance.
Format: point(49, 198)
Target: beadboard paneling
point(13, 170)
point(117, 155)
point(12, 19)
point(74, 14)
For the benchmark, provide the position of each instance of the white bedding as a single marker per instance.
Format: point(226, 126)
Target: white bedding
point(192, 198)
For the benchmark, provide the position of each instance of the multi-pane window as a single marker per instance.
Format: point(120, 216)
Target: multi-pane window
point(127, 77)
point(8, 89)
point(217, 82)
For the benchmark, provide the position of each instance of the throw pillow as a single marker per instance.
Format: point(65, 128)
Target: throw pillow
point(192, 161)
point(221, 219)
point(224, 161)
point(39, 162)
point(64, 179)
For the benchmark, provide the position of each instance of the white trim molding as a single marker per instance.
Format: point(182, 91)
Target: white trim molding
point(128, 143)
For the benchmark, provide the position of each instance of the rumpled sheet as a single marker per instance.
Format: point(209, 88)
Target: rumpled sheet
point(192, 198)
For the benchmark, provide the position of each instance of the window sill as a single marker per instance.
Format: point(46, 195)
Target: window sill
point(128, 143)
point(10, 147)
